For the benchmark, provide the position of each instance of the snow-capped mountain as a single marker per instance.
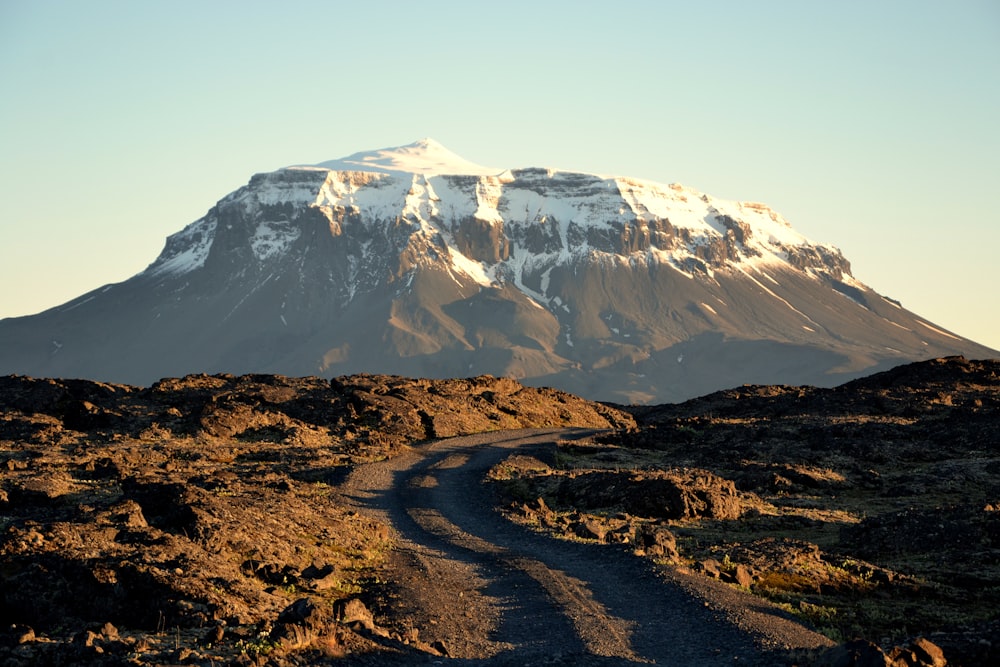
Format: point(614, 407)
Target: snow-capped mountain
point(412, 260)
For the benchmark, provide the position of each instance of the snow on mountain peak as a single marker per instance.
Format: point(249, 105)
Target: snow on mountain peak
point(426, 156)
point(526, 221)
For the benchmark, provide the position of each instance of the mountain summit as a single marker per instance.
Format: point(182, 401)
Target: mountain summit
point(426, 157)
point(415, 261)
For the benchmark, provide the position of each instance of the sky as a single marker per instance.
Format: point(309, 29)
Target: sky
point(871, 126)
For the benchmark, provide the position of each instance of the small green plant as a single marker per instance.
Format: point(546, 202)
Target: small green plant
point(818, 614)
point(321, 489)
point(824, 618)
point(261, 645)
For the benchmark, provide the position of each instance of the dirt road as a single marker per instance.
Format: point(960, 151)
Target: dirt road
point(495, 593)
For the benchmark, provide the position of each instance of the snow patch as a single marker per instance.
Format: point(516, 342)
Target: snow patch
point(77, 304)
point(935, 329)
point(469, 267)
point(273, 239)
point(186, 250)
point(518, 258)
point(425, 156)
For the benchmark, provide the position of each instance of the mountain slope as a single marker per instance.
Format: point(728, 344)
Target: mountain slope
point(415, 261)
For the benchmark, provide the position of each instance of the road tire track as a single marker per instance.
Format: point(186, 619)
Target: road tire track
point(496, 593)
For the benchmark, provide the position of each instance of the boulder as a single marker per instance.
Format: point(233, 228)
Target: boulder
point(589, 528)
point(301, 624)
point(860, 653)
point(920, 652)
point(672, 494)
point(656, 541)
point(353, 612)
point(711, 567)
point(740, 575)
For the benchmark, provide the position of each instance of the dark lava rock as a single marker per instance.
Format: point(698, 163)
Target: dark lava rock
point(679, 494)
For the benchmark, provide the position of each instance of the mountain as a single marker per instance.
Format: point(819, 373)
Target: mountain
point(414, 261)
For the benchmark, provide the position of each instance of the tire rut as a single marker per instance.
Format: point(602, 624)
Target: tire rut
point(496, 593)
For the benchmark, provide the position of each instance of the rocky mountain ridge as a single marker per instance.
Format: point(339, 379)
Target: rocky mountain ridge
point(416, 262)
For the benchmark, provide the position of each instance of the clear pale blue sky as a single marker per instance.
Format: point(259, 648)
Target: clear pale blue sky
point(874, 126)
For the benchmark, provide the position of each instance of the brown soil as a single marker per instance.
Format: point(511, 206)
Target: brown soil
point(263, 519)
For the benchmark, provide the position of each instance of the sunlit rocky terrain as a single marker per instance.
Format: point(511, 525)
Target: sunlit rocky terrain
point(201, 521)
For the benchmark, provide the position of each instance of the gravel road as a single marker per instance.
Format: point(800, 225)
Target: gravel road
point(495, 593)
